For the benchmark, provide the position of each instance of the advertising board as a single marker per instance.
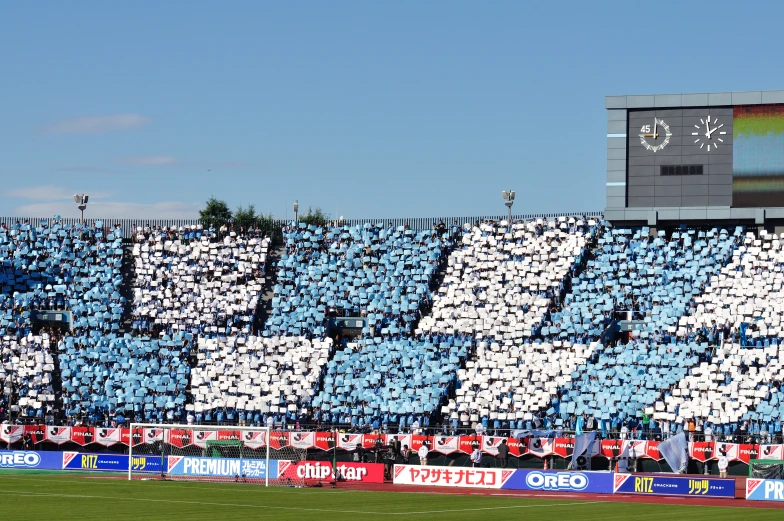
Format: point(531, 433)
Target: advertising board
point(450, 476)
point(673, 486)
point(109, 462)
point(561, 481)
point(322, 471)
point(222, 467)
point(765, 489)
point(520, 479)
point(30, 459)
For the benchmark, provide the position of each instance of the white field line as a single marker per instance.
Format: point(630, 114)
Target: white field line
point(245, 505)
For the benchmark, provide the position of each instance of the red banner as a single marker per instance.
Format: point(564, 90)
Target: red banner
point(325, 440)
point(516, 447)
point(369, 440)
point(322, 471)
point(540, 447)
point(82, 435)
point(748, 452)
point(278, 440)
point(469, 443)
point(180, 437)
point(37, 432)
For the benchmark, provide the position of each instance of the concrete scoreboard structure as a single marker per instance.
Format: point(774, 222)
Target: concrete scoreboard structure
point(696, 157)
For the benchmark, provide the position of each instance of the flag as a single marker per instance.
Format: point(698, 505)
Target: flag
point(675, 452)
point(578, 430)
point(581, 443)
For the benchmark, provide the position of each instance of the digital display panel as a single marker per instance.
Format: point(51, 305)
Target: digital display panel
point(758, 156)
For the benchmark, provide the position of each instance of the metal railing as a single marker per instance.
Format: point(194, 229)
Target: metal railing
point(128, 225)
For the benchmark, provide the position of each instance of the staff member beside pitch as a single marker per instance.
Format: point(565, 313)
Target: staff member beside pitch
point(723, 464)
point(423, 452)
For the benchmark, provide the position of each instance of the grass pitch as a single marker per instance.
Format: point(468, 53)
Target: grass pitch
point(31, 494)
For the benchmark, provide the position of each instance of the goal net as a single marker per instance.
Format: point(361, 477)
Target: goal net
point(209, 453)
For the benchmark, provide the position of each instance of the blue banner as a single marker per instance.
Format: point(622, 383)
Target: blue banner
point(561, 481)
point(29, 459)
point(673, 486)
point(222, 467)
point(765, 489)
point(110, 462)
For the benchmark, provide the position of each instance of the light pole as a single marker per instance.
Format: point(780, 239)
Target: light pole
point(296, 211)
point(81, 201)
point(508, 196)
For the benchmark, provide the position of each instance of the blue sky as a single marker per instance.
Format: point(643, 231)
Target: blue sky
point(366, 109)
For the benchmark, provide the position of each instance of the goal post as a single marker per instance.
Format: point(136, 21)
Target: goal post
point(227, 454)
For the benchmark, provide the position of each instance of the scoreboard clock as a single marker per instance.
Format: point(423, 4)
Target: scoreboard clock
point(656, 138)
point(709, 133)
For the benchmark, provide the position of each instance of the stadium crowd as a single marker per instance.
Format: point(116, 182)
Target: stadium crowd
point(494, 327)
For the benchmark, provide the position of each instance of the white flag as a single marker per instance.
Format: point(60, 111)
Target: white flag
point(675, 452)
point(581, 444)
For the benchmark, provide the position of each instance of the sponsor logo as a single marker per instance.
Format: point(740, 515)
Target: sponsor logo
point(19, 459)
point(774, 489)
point(557, 481)
point(318, 471)
point(67, 457)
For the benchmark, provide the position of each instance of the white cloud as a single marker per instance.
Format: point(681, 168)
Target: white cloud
point(113, 210)
point(98, 124)
point(151, 160)
point(46, 193)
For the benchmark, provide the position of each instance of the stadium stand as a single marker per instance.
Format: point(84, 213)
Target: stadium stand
point(741, 309)
point(250, 378)
point(509, 327)
point(381, 272)
point(53, 266)
point(191, 280)
point(498, 289)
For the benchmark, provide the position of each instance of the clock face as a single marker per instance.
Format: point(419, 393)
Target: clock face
point(708, 134)
point(656, 136)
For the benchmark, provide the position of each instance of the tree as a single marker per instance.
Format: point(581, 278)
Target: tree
point(315, 216)
point(245, 218)
point(216, 213)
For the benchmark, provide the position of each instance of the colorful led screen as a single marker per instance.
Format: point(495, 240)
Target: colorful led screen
point(758, 156)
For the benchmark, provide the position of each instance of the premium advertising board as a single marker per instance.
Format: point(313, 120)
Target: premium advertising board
point(673, 486)
point(765, 489)
point(322, 471)
point(222, 467)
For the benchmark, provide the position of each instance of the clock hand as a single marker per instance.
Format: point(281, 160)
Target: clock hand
point(655, 122)
point(707, 127)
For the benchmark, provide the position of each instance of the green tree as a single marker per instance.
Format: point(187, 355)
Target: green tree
point(245, 218)
point(315, 216)
point(216, 213)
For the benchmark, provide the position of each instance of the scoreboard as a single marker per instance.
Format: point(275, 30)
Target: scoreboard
point(695, 157)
